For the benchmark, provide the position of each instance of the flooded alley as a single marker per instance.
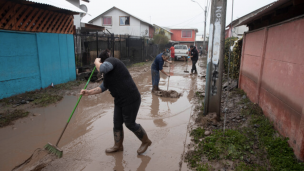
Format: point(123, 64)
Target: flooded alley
point(91, 129)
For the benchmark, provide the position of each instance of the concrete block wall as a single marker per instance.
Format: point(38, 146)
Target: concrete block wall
point(272, 75)
point(30, 61)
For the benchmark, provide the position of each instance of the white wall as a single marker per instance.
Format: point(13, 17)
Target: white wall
point(239, 31)
point(136, 28)
point(76, 17)
point(144, 29)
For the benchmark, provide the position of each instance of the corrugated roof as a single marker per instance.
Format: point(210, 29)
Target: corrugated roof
point(163, 28)
point(62, 4)
point(248, 18)
point(184, 29)
point(122, 11)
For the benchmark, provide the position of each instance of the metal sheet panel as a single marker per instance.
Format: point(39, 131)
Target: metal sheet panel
point(62, 4)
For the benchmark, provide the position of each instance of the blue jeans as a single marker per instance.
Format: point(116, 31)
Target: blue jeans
point(155, 77)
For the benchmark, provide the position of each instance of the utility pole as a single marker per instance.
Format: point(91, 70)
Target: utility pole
point(205, 28)
point(215, 58)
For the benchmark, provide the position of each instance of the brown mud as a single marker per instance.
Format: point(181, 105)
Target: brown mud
point(39, 160)
point(90, 130)
point(169, 93)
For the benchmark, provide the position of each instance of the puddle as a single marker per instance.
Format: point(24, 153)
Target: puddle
point(90, 130)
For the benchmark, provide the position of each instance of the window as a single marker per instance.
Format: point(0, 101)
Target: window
point(107, 21)
point(124, 21)
point(186, 33)
point(180, 47)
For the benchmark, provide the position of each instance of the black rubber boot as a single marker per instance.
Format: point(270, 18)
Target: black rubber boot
point(143, 137)
point(154, 89)
point(118, 139)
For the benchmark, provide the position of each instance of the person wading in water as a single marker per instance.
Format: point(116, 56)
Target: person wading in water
point(127, 99)
point(156, 67)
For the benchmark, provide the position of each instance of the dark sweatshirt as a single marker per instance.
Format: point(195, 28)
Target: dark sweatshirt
point(120, 83)
point(194, 53)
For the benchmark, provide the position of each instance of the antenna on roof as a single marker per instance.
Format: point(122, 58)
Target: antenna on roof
point(83, 8)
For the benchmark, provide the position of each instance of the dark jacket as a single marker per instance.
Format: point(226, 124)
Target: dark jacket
point(194, 53)
point(158, 63)
point(120, 84)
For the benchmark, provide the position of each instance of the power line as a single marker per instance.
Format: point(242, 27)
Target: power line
point(187, 20)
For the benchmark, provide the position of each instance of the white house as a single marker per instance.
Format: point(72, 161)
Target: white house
point(118, 21)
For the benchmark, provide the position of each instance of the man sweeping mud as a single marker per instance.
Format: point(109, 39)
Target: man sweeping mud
point(127, 99)
point(156, 67)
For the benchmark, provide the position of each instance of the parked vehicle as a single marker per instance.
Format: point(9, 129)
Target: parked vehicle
point(181, 52)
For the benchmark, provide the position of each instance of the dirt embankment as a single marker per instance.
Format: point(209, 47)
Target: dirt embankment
point(248, 142)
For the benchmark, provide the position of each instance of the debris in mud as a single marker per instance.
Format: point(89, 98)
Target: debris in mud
point(170, 93)
point(39, 159)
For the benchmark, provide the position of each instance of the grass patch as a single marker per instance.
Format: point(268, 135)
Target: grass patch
point(279, 153)
point(9, 116)
point(46, 99)
point(139, 64)
point(68, 85)
point(253, 148)
point(197, 134)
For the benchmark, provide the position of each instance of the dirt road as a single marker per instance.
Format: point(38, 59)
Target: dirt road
point(90, 130)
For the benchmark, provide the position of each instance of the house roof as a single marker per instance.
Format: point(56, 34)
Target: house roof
point(196, 30)
point(61, 4)
point(250, 17)
point(163, 28)
point(121, 11)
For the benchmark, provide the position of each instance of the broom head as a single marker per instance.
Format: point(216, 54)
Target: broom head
point(186, 71)
point(53, 150)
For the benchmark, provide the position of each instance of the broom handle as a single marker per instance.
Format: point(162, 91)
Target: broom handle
point(169, 77)
point(75, 107)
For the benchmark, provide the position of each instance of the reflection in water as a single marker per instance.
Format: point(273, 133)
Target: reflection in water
point(155, 112)
point(144, 162)
point(118, 156)
point(120, 163)
point(192, 87)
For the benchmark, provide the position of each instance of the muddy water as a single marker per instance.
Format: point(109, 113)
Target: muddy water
point(90, 130)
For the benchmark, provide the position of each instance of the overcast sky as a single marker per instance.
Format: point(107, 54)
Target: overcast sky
point(172, 13)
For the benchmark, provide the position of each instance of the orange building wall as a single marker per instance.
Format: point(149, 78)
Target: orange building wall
point(177, 36)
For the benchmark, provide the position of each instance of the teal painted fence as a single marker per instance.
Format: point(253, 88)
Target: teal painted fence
point(30, 61)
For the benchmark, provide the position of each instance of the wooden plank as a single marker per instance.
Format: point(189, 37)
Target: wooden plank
point(10, 12)
point(58, 23)
point(12, 21)
point(22, 18)
point(3, 6)
point(73, 27)
point(44, 21)
point(26, 23)
point(68, 30)
point(65, 25)
point(69, 25)
point(2, 2)
point(35, 21)
point(66, 17)
point(54, 22)
point(49, 21)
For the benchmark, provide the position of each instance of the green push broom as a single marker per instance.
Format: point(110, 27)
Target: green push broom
point(54, 149)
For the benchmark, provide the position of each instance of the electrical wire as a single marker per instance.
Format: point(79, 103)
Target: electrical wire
point(187, 20)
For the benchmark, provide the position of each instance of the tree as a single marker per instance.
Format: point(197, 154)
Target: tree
point(160, 38)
